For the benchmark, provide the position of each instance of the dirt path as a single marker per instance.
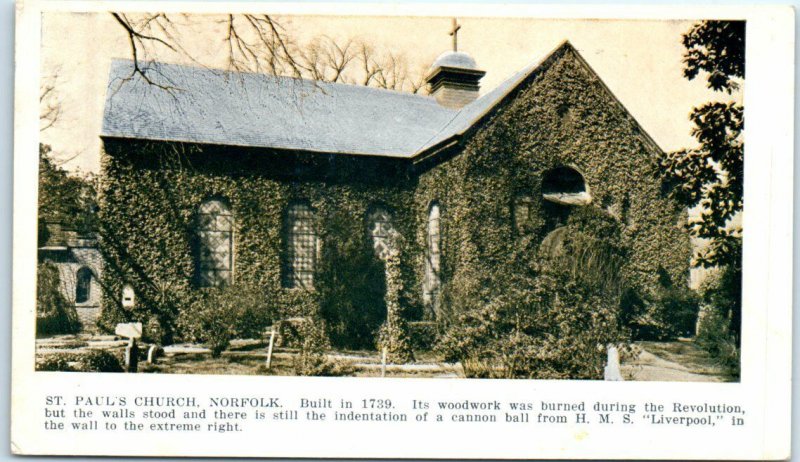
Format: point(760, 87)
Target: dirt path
point(680, 361)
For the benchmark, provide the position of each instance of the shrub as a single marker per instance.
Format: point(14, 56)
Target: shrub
point(423, 334)
point(715, 331)
point(54, 313)
point(716, 338)
point(351, 285)
point(219, 315)
point(157, 306)
point(84, 361)
point(313, 343)
point(554, 313)
point(99, 361)
point(394, 337)
point(722, 290)
point(669, 313)
point(153, 332)
point(555, 329)
point(54, 363)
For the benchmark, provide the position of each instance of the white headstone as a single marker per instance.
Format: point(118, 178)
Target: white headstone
point(612, 371)
point(129, 329)
point(154, 352)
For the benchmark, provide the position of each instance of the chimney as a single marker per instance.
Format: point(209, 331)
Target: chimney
point(454, 79)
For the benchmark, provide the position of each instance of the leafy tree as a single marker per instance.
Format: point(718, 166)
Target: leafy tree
point(55, 315)
point(710, 177)
point(63, 198)
point(717, 48)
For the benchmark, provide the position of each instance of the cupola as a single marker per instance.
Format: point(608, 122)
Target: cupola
point(454, 77)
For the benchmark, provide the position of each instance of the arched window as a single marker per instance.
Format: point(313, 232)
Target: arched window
point(563, 189)
point(433, 259)
point(565, 186)
point(380, 228)
point(301, 247)
point(83, 285)
point(215, 244)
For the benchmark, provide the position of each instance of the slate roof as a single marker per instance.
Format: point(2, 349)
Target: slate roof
point(257, 110)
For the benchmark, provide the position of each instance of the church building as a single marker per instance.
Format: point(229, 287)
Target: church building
point(217, 179)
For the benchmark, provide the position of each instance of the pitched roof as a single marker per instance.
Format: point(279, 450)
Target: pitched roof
point(257, 110)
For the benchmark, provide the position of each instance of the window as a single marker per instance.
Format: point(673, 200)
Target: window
point(83, 285)
point(565, 186)
point(563, 189)
point(380, 228)
point(433, 259)
point(215, 244)
point(301, 247)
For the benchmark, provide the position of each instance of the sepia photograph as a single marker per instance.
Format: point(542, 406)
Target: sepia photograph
point(483, 231)
point(445, 197)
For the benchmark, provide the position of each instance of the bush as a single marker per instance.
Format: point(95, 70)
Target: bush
point(99, 361)
point(393, 334)
point(153, 332)
point(59, 363)
point(85, 361)
point(219, 315)
point(351, 284)
point(394, 337)
point(553, 314)
point(288, 331)
point(313, 343)
point(722, 290)
point(54, 313)
point(556, 329)
point(424, 335)
point(716, 332)
point(669, 313)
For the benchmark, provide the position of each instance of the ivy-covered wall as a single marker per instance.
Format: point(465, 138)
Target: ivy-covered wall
point(150, 196)
point(562, 115)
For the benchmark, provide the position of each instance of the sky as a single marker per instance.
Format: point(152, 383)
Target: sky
point(640, 61)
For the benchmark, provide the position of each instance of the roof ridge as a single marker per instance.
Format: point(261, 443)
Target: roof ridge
point(277, 77)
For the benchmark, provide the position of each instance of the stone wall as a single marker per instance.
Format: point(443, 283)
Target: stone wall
point(74, 260)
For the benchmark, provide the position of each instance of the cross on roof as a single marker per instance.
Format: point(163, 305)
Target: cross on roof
point(454, 33)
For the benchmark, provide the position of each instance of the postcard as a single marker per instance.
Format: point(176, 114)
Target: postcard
point(402, 231)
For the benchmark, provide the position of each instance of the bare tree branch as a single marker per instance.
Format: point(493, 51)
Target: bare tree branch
point(260, 43)
point(49, 105)
point(138, 42)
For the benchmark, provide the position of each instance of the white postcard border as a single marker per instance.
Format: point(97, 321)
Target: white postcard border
point(766, 353)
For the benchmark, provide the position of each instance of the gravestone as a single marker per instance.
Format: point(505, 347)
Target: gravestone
point(129, 330)
point(153, 353)
point(132, 331)
point(612, 371)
